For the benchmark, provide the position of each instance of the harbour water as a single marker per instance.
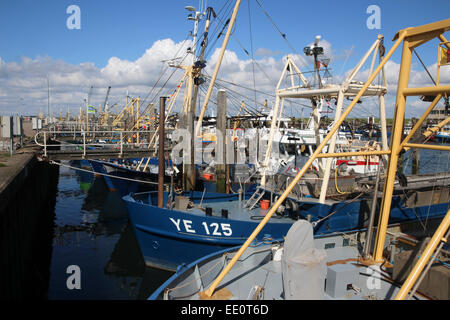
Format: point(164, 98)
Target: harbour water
point(92, 232)
point(101, 244)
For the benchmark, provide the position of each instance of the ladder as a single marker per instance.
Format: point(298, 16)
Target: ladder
point(259, 193)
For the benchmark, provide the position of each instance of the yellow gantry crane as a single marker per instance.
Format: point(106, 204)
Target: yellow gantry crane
point(131, 108)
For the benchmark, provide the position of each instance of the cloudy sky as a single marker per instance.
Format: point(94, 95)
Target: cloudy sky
point(126, 45)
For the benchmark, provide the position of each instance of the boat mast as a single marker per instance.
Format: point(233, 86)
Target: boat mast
point(317, 102)
point(291, 67)
point(342, 90)
point(194, 81)
point(199, 63)
point(216, 70)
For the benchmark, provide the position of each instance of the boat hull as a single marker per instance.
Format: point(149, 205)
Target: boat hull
point(134, 180)
point(172, 238)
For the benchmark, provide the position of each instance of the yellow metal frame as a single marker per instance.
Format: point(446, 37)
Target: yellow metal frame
point(129, 108)
point(439, 65)
point(411, 38)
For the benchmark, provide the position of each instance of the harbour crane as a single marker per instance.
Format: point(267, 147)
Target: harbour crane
point(105, 105)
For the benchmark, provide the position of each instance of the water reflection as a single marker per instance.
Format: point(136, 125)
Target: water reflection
point(92, 232)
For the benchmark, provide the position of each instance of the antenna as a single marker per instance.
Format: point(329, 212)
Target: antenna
point(315, 51)
point(316, 41)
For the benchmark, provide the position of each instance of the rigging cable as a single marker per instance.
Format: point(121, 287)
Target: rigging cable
point(251, 47)
point(283, 35)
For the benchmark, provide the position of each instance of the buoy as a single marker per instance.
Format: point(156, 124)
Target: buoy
point(208, 176)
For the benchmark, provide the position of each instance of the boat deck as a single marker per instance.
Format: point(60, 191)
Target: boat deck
point(257, 275)
point(217, 204)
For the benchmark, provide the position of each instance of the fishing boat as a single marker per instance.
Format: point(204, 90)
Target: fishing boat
point(304, 267)
point(122, 175)
point(443, 135)
point(336, 266)
point(194, 224)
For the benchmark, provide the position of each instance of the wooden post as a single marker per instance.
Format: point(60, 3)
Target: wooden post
point(161, 164)
point(190, 167)
point(221, 126)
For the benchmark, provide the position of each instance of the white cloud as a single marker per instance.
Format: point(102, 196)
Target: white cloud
point(23, 84)
point(263, 52)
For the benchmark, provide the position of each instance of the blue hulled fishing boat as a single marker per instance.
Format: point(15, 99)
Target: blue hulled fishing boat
point(129, 179)
point(193, 224)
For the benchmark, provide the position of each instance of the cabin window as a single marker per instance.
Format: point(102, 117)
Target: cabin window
point(329, 245)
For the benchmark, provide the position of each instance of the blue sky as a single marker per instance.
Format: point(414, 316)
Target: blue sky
point(126, 29)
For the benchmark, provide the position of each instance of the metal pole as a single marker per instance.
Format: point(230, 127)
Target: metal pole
point(45, 144)
point(87, 117)
point(428, 146)
point(384, 138)
point(11, 135)
point(269, 141)
point(121, 143)
point(419, 122)
point(368, 242)
point(331, 148)
point(84, 145)
point(161, 164)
